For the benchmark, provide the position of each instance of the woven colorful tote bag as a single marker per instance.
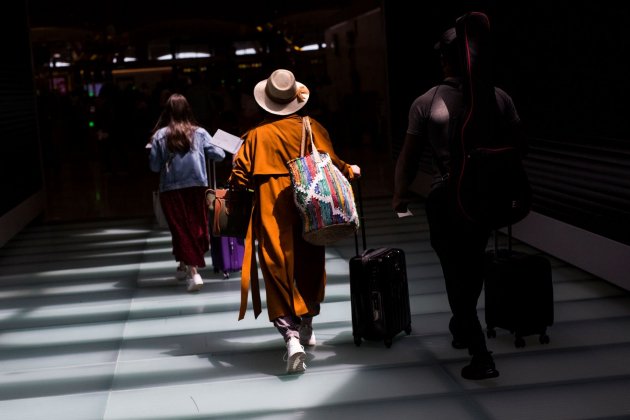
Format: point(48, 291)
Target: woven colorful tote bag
point(323, 195)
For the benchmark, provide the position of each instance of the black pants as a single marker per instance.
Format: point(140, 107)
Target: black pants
point(460, 246)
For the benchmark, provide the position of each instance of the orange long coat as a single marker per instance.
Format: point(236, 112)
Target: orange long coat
point(293, 270)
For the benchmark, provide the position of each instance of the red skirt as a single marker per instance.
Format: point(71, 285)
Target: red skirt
point(187, 217)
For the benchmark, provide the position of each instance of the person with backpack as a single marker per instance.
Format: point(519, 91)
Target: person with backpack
point(434, 121)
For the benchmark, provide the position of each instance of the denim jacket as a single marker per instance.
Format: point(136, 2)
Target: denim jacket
point(183, 170)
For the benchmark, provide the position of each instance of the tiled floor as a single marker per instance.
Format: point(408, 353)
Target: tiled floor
point(93, 327)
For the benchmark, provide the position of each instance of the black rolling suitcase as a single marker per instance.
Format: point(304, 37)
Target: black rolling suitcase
point(379, 293)
point(518, 293)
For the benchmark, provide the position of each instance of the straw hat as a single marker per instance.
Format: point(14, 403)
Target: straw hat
point(281, 94)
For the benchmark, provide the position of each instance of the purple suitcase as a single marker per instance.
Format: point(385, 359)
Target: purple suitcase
point(226, 251)
point(227, 254)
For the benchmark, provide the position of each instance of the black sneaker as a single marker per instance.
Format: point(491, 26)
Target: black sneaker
point(481, 367)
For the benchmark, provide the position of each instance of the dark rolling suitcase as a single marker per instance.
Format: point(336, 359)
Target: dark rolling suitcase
point(379, 295)
point(379, 292)
point(518, 293)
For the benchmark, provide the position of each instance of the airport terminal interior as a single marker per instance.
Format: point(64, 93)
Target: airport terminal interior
point(94, 325)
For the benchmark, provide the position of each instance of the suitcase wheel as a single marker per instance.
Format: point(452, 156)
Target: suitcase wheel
point(388, 342)
point(357, 340)
point(408, 329)
point(544, 339)
point(519, 342)
point(491, 333)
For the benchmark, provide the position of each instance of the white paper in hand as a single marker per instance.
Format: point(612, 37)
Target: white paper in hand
point(226, 141)
point(405, 214)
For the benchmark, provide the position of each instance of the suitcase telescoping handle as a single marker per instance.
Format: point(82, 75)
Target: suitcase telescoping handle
point(359, 198)
point(212, 174)
point(509, 237)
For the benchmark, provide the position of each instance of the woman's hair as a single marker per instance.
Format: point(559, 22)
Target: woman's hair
point(178, 117)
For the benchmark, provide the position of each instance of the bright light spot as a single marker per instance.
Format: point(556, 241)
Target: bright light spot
point(88, 270)
point(58, 64)
point(310, 47)
point(190, 54)
point(115, 232)
point(246, 51)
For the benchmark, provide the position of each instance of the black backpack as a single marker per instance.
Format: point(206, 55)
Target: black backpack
point(488, 179)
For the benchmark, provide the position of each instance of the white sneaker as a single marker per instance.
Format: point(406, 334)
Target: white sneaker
point(307, 336)
point(194, 283)
point(295, 356)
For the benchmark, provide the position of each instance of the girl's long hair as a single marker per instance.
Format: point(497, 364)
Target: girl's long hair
point(178, 117)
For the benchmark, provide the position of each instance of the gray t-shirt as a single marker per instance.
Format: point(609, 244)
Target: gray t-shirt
point(439, 110)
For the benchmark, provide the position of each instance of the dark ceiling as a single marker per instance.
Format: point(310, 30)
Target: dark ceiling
point(129, 13)
point(234, 18)
point(83, 30)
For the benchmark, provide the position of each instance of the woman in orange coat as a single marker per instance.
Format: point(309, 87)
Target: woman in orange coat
point(293, 269)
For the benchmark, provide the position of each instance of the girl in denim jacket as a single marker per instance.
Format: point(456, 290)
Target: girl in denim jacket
point(179, 152)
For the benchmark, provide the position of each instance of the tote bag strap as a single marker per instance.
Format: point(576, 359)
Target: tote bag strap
point(306, 128)
point(303, 144)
